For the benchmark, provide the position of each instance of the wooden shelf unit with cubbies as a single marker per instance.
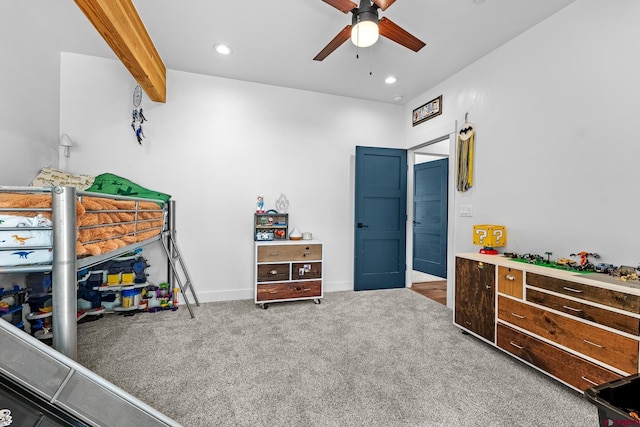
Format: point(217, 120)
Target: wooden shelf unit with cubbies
point(270, 226)
point(581, 329)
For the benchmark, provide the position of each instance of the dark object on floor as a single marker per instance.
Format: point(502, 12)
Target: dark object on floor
point(617, 401)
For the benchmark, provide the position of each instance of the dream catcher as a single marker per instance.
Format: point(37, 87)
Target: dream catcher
point(464, 171)
point(138, 118)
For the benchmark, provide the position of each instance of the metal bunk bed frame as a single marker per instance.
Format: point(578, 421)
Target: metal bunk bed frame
point(65, 264)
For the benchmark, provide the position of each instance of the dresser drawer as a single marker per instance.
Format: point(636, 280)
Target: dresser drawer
point(510, 281)
point(603, 296)
point(613, 349)
point(269, 253)
point(571, 369)
point(292, 290)
point(599, 315)
point(306, 270)
point(273, 272)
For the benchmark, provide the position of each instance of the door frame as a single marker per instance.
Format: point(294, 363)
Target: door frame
point(441, 133)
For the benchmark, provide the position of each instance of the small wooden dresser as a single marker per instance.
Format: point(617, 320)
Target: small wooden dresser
point(288, 270)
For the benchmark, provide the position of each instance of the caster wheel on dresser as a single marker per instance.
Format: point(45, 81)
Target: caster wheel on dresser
point(264, 306)
point(316, 301)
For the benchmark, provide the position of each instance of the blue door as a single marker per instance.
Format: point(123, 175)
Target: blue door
point(380, 218)
point(430, 217)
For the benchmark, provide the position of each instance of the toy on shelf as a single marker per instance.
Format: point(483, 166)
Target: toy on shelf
point(626, 273)
point(604, 268)
point(11, 305)
point(260, 204)
point(585, 264)
point(489, 237)
point(118, 285)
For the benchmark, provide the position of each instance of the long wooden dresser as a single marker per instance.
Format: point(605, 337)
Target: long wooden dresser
point(581, 329)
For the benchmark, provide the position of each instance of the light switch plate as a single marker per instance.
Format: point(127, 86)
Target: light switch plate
point(466, 210)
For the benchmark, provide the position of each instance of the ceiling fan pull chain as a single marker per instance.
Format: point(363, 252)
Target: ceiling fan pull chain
point(358, 38)
point(371, 61)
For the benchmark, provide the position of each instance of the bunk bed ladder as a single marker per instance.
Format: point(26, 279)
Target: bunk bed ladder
point(178, 273)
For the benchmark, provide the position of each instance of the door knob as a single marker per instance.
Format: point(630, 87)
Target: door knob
point(361, 225)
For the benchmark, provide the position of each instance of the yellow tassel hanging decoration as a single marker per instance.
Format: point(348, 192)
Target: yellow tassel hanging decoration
point(466, 136)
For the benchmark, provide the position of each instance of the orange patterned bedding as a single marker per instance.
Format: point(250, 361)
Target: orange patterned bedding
point(103, 224)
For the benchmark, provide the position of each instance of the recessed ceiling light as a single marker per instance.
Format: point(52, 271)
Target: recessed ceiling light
point(390, 80)
point(222, 49)
point(397, 98)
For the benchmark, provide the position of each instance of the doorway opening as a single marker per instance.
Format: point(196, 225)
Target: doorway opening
point(430, 223)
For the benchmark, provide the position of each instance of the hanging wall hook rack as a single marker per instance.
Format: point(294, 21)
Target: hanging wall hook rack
point(466, 116)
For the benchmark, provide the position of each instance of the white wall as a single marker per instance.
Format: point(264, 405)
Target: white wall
point(557, 154)
point(29, 100)
point(556, 149)
point(217, 144)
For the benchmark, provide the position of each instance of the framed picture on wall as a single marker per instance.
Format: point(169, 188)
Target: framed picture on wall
point(427, 111)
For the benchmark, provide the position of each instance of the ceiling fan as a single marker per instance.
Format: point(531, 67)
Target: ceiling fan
point(365, 27)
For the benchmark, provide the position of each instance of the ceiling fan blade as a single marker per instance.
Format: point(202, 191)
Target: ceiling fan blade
point(384, 4)
point(393, 32)
point(337, 41)
point(344, 6)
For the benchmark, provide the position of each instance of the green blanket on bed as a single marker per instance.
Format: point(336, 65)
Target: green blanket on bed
point(109, 183)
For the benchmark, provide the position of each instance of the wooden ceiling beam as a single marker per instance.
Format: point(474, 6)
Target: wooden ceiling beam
point(121, 27)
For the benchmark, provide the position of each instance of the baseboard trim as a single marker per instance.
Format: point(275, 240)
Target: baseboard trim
point(248, 293)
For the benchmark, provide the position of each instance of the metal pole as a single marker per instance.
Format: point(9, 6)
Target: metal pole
point(64, 293)
point(171, 223)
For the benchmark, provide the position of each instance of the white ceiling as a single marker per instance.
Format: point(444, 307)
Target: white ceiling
point(274, 42)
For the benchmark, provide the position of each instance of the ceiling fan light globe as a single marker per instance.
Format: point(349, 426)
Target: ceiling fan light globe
point(365, 33)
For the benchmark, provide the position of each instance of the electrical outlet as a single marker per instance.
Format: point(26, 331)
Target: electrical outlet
point(466, 210)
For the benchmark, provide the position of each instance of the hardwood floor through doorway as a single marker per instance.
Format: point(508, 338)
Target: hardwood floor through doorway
point(436, 290)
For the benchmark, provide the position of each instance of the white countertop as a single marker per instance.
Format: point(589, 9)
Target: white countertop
point(287, 242)
point(593, 279)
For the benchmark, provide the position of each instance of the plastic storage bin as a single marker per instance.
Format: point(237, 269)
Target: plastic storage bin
point(616, 400)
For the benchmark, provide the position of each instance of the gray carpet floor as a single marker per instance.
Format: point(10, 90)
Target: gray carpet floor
point(375, 358)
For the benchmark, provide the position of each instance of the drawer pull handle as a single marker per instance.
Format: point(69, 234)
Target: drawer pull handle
point(518, 316)
point(510, 277)
point(578, 291)
point(588, 380)
point(577, 310)
point(274, 253)
point(516, 345)
point(466, 322)
point(306, 289)
point(273, 272)
point(594, 344)
point(273, 292)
